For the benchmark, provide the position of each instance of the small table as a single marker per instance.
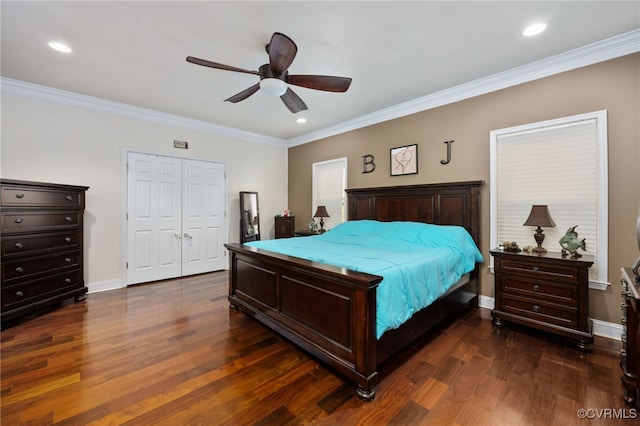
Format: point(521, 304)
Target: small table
point(547, 291)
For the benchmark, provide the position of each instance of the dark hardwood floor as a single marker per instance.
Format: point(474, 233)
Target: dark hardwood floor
point(174, 353)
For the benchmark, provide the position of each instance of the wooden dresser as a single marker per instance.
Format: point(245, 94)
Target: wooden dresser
point(42, 239)
point(545, 291)
point(284, 226)
point(630, 354)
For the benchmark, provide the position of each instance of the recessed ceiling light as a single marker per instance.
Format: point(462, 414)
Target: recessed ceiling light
point(301, 120)
point(60, 47)
point(534, 29)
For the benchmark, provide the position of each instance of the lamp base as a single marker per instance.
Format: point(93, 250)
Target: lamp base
point(539, 250)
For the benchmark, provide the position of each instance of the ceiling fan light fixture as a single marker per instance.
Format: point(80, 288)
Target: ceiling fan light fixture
point(273, 86)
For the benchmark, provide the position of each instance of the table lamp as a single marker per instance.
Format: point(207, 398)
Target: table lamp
point(321, 212)
point(539, 217)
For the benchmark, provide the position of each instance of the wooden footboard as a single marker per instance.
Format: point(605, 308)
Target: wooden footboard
point(326, 310)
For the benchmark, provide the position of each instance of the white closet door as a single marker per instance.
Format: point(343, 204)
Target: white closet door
point(154, 211)
point(203, 217)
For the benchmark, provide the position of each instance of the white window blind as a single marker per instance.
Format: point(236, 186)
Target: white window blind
point(329, 182)
point(560, 163)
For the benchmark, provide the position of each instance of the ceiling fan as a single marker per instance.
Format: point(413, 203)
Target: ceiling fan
point(274, 77)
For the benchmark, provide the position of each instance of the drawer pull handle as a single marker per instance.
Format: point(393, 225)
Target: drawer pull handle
point(67, 280)
point(68, 197)
point(623, 305)
point(18, 220)
point(536, 287)
point(19, 245)
point(19, 269)
point(536, 308)
point(623, 320)
point(19, 195)
point(67, 259)
point(19, 293)
point(67, 239)
point(534, 269)
point(68, 219)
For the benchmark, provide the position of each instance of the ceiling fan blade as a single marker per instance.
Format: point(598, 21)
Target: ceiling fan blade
point(244, 94)
point(210, 64)
point(320, 82)
point(281, 51)
point(293, 101)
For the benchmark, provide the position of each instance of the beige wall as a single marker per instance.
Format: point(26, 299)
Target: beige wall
point(613, 86)
point(46, 141)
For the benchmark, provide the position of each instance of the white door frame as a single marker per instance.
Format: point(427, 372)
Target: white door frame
point(123, 213)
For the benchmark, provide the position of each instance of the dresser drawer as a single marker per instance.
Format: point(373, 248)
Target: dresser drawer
point(23, 245)
point(564, 294)
point(40, 221)
point(41, 197)
point(539, 270)
point(541, 311)
point(21, 269)
point(28, 292)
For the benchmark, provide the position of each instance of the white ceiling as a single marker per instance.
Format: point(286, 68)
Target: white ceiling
point(134, 52)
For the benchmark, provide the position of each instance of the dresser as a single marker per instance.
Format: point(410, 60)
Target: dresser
point(285, 226)
point(630, 353)
point(42, 245)
point(546, 291)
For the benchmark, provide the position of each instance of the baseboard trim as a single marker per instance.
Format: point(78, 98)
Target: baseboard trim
point(97, 287)
point(601, 328)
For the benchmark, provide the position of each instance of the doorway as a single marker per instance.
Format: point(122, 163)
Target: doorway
point(176, 217)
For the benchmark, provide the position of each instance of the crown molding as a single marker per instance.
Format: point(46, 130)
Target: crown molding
point(49, 94)
point(611, 48)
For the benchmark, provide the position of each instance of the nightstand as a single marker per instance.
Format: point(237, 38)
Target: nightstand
point(284, 226)
point(546, 291)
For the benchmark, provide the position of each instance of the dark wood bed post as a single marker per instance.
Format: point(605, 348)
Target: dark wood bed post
point(331, 312)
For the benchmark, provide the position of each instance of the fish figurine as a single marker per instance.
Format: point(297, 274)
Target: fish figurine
point(570, 243)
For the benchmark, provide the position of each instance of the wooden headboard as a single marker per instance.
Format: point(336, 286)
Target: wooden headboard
point(456, 203)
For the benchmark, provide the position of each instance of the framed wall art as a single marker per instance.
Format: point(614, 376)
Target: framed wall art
point(404, 160)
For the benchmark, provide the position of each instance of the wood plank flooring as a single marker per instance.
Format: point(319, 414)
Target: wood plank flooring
point(173, 353)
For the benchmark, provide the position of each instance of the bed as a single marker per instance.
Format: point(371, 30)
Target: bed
point(330, 311)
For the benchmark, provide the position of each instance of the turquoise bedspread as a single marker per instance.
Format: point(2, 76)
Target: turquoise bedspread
point(418, 261)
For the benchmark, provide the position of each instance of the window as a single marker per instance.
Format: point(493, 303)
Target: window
point(329, 182)
point(561, 163)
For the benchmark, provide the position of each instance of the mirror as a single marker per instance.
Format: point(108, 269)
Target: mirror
point(249, 217)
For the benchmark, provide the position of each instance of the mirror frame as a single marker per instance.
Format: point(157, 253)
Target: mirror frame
point(249, 231)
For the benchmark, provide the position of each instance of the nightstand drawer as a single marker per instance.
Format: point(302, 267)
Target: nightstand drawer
point(539, 270)
point(564, 294)
point(537, 310)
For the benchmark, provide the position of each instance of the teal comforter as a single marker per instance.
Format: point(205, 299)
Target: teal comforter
point(419, 262)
